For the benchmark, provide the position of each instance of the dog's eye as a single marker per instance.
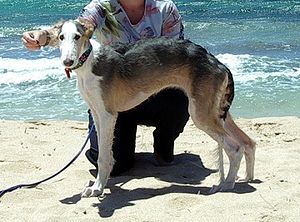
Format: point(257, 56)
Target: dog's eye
point(77, 37)
point(61, 37)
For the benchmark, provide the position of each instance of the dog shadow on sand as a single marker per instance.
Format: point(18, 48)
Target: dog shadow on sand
point(184, 176)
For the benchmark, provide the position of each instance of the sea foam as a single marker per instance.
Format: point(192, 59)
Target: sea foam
point(15, 71)
point(250, 68)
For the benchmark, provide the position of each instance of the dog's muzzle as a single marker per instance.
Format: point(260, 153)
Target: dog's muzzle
point(68, 62)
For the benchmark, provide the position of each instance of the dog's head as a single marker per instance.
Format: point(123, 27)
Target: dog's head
point(73, 39)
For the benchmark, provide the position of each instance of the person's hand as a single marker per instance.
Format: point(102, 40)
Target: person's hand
point(34, 39)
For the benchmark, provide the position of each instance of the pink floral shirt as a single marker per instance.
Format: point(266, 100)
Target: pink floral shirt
point(161, 18)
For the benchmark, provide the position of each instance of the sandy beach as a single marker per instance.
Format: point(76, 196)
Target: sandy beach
point(31, 151)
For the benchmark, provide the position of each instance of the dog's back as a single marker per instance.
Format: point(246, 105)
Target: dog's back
point(153, 60)
point(158, 53)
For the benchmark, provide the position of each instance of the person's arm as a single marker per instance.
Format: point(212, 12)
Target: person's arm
point(172, 22)
point(94, 12)
point(35, 39)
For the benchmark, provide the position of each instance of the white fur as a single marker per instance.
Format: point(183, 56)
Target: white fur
point(88, 85)
point(69, 47)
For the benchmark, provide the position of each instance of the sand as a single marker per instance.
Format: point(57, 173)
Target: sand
point(30, 151)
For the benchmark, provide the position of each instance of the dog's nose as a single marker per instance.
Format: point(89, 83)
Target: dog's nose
point(68, 62)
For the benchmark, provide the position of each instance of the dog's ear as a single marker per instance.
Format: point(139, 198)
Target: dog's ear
point(53, 33)
point(57, 26)
point(88, 26)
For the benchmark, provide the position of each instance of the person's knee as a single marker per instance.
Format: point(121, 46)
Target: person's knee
point(174, 109)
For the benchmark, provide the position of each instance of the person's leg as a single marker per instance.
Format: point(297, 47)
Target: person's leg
point(92, 153)
point(164, 139)
point(168, 112)
point(123, 145)
point(172, 119)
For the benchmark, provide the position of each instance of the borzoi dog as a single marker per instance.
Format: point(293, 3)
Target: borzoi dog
point(116, 78)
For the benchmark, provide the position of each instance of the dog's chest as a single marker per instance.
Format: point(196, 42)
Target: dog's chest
point(89, 88)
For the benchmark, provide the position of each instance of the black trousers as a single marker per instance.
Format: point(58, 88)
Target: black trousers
point(167, 111)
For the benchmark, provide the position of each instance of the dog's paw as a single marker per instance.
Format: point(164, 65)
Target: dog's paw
point(91, 190)
point(244, 180)
point(214, 189)
point(222, 187)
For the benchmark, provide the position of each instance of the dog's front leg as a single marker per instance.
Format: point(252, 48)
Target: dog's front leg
point(105, 125)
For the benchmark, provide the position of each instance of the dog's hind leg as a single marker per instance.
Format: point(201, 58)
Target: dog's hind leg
point(246, 142)
point(235, 153)
point(250, 159)
point(105, 124)
point(213, 125)
point(236, 143)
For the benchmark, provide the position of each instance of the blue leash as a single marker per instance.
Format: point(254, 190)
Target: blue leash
point(31, 185)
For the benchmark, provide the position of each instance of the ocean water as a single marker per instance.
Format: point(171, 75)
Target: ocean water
point(259, 40)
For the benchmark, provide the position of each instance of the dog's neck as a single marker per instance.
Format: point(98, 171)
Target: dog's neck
point(82, 59)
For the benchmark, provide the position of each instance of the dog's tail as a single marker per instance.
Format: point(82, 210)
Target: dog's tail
point(228, 95)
